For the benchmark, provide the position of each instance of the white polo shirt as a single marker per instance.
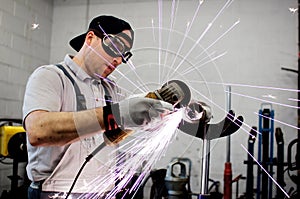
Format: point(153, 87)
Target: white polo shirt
point(49, 89)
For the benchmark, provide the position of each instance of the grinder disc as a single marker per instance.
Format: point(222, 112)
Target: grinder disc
point(181, 95)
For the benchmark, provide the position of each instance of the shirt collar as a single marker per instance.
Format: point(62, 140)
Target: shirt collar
point(77, 70)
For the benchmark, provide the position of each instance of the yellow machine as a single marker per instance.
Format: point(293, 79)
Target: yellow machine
point(6, 133)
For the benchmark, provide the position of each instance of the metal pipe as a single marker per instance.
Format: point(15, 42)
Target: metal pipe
point(228, 170)
point(205, 166)
point(228, 108)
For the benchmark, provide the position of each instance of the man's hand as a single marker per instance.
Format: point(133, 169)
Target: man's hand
point(140, 111)
point(135, 112)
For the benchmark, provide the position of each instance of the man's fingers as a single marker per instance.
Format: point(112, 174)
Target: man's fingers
point(165, 106)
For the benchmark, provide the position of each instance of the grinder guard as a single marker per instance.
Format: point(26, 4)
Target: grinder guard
point(175, 92)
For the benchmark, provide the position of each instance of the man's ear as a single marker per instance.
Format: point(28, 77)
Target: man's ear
point(89, 36)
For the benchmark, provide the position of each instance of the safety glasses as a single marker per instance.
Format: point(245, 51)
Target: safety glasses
point(115, 47)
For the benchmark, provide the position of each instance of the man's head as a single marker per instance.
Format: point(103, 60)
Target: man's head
point(114, 40)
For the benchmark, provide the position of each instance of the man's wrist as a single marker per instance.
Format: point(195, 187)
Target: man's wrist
point(111, 117)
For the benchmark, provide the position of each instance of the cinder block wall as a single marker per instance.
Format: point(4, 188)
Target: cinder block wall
point(22, 49)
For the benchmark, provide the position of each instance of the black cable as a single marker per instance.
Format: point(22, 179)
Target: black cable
point(87, 159)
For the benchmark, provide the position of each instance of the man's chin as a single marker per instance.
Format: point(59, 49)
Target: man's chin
point(107, 72)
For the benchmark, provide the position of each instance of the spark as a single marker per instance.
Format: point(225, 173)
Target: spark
point(131, 65)
point(292, 99)
point(220, 37)
point(142, 86)
point(231, 1)
point(185, 36)
point(202, 35)
point(254, 86)
point(112, 82)
point(159, 35)
point(35, 26)
point(269, 96)
point(265, 171)
point(218, 106)
point(255, 98)
point(109, 38)
point(293, 10)
point(172, 22)
point(205, 50)
point(295, 127)
point(187, 25)
point(59, 195)
point(111, 76)
point(144, 149)
point(152, 24)
point(105, 79)
point(116, 69)
point(173, 14)
point(192, 68)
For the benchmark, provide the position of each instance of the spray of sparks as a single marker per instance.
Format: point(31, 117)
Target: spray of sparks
point(140, 153)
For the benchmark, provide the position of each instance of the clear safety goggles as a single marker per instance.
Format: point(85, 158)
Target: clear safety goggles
point(115, 47)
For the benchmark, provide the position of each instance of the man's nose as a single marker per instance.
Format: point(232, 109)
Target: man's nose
point(117, 60)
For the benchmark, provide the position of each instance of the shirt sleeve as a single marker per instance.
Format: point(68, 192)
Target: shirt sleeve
point(43, 91)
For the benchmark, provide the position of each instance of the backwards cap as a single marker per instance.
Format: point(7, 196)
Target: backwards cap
point(108, 24)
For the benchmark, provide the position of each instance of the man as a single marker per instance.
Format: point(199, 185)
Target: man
point(66, 106)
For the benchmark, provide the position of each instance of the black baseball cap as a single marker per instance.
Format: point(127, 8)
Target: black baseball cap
point(103, 25)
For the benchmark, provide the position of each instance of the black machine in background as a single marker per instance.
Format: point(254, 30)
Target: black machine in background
point(13, 147)
point(263, 188)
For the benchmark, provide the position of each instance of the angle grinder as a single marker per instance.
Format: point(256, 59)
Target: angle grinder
point(174, 92)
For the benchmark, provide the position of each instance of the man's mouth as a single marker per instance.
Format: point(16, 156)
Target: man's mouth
point(111, 67)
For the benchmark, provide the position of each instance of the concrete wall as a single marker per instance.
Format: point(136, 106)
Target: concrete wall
point(22, 49)
point(245, 44)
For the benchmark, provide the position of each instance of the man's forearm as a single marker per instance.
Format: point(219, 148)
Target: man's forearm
point(59, 128)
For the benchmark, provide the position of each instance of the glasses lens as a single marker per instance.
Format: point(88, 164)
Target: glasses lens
point(115, 44)
point(115, 47)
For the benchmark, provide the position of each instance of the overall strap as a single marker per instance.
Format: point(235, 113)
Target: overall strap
point(81, 103)
point(107, 96)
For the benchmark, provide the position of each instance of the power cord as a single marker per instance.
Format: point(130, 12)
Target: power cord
point(87, 159)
